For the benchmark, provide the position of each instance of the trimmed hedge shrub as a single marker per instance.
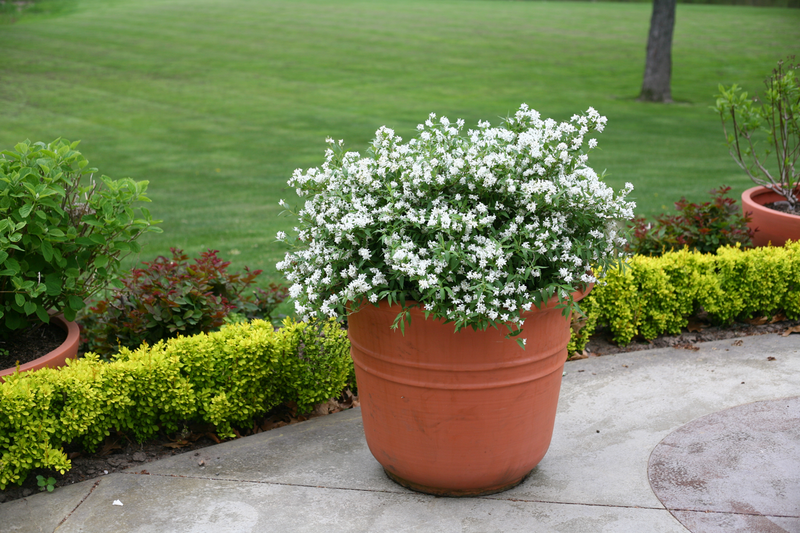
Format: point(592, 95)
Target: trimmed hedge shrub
point(658, 295)
point(225, 378)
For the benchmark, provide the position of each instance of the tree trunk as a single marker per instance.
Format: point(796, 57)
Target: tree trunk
point(658, 65)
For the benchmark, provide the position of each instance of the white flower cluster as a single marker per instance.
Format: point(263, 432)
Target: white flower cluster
point(473, 227)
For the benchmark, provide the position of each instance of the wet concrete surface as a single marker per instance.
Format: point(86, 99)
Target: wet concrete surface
point(734, 470)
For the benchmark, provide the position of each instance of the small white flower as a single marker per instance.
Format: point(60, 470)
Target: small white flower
point(295, 290)
point(468, 212)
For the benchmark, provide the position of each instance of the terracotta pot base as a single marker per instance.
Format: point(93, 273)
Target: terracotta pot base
point(455, 493)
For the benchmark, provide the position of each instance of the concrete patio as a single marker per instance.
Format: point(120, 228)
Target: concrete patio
point(736, 471)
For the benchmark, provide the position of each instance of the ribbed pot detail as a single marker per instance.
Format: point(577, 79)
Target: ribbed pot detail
point(462, 413)
point(773, 226)
point(59, 356)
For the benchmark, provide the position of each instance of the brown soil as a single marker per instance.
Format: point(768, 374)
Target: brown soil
point(783, 207)
point(30, 344)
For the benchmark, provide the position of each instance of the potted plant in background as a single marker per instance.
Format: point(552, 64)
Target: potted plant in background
point(476, 247)
point(774, 204)
point(63, 232)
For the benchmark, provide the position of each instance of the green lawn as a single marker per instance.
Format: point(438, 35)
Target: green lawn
point(217, 102)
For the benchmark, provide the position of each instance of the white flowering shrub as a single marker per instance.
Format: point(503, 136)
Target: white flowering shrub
point(474, 228)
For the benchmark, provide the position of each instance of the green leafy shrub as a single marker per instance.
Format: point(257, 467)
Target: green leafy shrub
point(173, 296)
point(225, 377)
point(702, 227)
point(582, 327)
point(774, 119)
point(61, 238)
point(47, 484)
point(658, 295)
point(315, 364)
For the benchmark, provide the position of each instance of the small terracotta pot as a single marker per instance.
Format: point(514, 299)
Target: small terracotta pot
point(57, 357)
point(773, 226)
point(458, 414)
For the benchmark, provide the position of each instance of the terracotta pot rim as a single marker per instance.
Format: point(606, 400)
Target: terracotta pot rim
point(72, 340)
point(417, 309)
point(749, 201)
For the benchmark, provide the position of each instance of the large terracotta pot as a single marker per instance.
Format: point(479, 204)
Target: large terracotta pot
point(773, 226)
point(57, 357)
point(457, 414)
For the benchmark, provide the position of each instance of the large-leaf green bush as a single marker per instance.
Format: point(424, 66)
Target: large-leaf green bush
point(63, 231)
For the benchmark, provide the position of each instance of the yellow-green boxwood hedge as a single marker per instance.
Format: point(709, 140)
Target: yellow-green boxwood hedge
point(652, 296)
point(225, 378)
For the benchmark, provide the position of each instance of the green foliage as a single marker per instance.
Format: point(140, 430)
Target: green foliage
point(315, 362)
point(232, 371)
point(226, 378)
point(775, 119)
point(702, 227)
point(173, 296)
point(47, 484)
point(658, 295)
point(61, 240)
point(583, 326)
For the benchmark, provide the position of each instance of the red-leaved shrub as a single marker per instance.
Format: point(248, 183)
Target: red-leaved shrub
point(702, 227)
point(173, 296)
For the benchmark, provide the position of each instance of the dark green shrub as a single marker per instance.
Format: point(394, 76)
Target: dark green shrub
point(702, 227)
point(61, 238)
